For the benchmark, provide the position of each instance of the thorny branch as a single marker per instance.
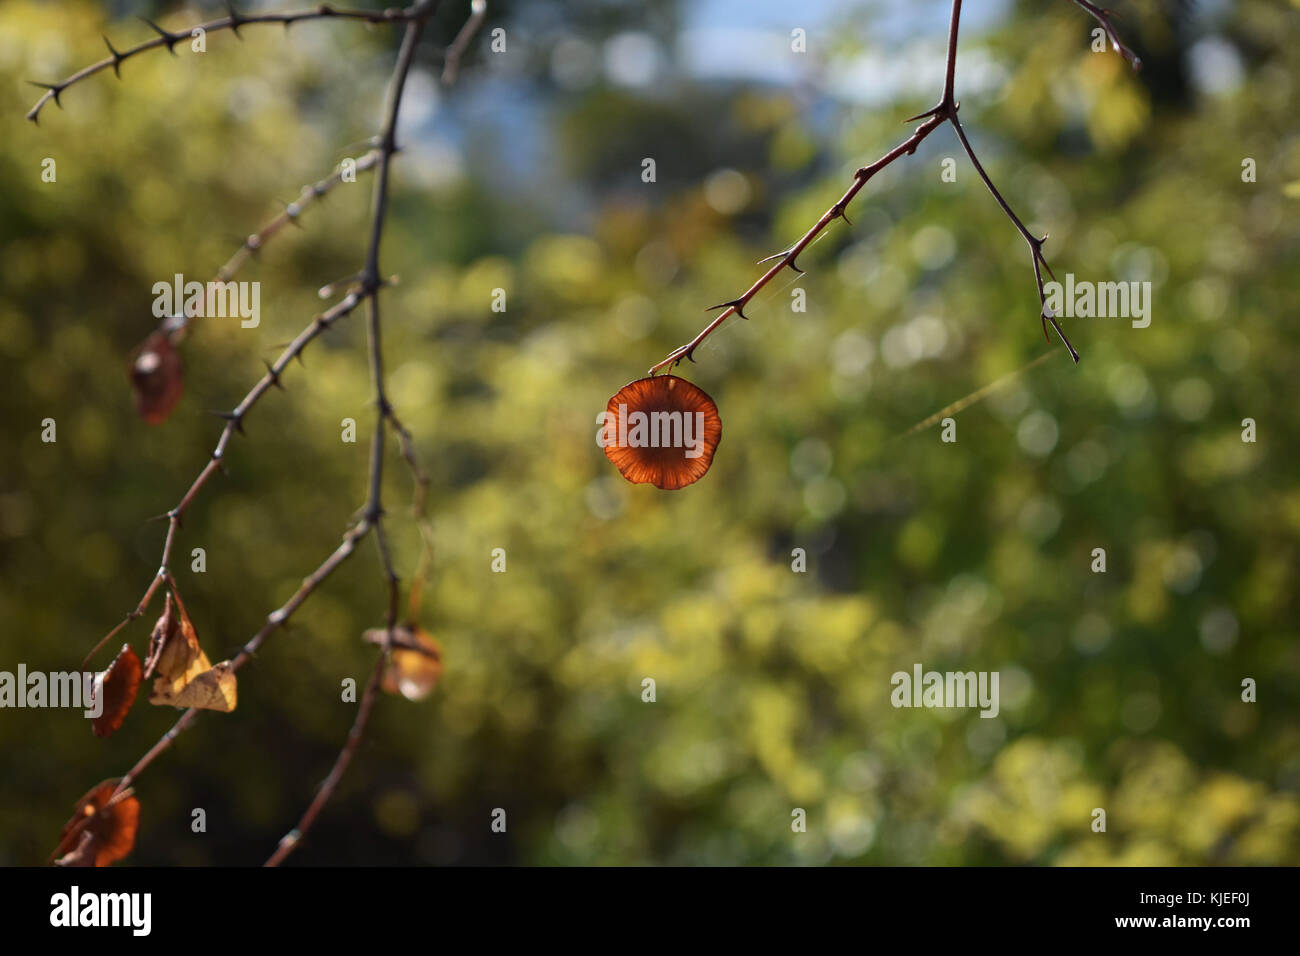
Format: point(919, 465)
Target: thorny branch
point(384, 416)
point(944, 112)
point(235, 20)
point(310, 193)
point(366, 288)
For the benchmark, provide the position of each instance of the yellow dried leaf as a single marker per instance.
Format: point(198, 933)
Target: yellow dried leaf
point(214, 689)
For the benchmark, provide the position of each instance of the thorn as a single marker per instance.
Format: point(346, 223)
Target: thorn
point(839, 212)
point(235, 19)
point(54, 88)
point(928, 113)
point(170, 39)
point(275, 376)
point(117, 58)
point(787, 254)
point(737, 304)
point(238, 420)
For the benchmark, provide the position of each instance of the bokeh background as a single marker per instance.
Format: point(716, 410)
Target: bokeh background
point(1118, 690)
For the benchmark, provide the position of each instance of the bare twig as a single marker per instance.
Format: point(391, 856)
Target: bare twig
point(1035, 243)
point(165, 38)
point(1103, 16)
point(451, 63)
point(944, 112)
point(309, 194)
point(384, 415)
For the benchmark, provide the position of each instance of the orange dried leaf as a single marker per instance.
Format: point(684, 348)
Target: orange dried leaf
point(414, 665)
point(116, 688)
point(661, 430)
point(157, 377)
point(99, 834)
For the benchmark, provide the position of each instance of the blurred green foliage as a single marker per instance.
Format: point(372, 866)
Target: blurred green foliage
point(1119, 690)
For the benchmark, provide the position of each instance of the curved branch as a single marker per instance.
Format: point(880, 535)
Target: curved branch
point(165, 38)
point(1102, 16)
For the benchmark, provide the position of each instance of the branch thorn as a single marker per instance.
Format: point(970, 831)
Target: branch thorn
point(236, 18)
point(170, 39)
point(117, 57)
point(737, 304)
point(273, 375)
point(788, 254)
point(54, 88)
point(233, 418)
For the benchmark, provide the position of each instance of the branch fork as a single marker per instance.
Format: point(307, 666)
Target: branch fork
point(945, 111)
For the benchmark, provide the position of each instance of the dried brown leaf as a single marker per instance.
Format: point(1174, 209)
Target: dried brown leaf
point(157, 377)
point(117, 688)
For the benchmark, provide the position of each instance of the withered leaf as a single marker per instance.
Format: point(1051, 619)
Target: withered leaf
point(186, 678)
point(174, 652)
point(99, 834)
point(162, 633)
point(415, 663)
point(214, 689)
point(157, 377)
point(116, 688)
point(661, 430)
